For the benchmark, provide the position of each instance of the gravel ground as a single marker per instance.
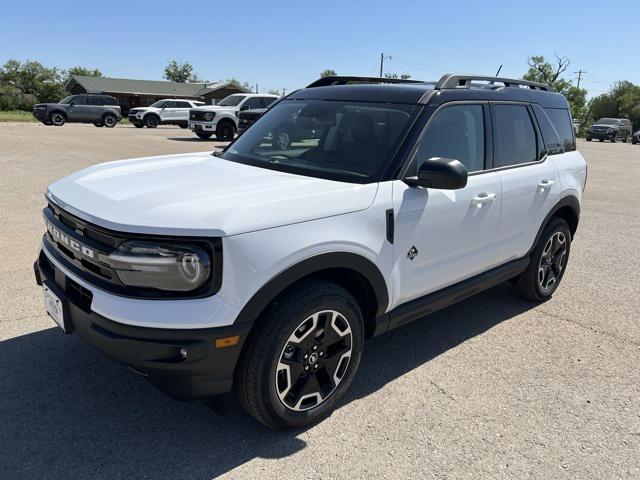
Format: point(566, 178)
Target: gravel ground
point(493, 387)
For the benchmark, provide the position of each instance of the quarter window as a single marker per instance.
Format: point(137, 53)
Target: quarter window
point(514, 136)
point(251, 103)
point(456, 132)
point(562, 121)
point(551, 141)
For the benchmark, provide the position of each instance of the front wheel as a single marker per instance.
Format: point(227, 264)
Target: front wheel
point(151, 121)
point(57, 119)
point(225, 131)
point(302, 357)
point(548, 262)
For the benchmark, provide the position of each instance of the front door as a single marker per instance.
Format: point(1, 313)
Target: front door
point(445, 236)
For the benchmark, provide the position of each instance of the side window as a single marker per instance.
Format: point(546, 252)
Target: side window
point(251, 103)
point(266, 101)
point(550, 136)
point(80, 100)
point(170, 105)
point(562, 122)
point(456, 132)
point(514, 136)
point(183, 104)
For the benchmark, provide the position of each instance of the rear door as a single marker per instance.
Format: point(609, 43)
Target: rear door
point(530, 180)
point(446, 236)
point(182, 110)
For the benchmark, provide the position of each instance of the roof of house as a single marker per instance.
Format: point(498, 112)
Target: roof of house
point(146, 87)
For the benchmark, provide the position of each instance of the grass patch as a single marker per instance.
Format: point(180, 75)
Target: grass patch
point(16, 116)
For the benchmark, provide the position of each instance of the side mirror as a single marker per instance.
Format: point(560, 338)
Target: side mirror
point(442, 173)
point(245, 107)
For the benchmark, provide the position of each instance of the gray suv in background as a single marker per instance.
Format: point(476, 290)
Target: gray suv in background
point(101, 110)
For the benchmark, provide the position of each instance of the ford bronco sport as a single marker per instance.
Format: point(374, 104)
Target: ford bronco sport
point(262, 270)
point(101, 110)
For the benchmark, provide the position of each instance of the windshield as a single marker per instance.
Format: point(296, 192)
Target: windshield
point(159, 104)
point(67, 100)
point(231, 100)
point(608, 121)
point(346, 141)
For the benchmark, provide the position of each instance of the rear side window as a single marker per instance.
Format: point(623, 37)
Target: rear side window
point(455, 132)
point(562, 122)
point(80, 101)
point(514, 136)
point(550, 136)
point(95, 101)
point(183, 104)
point(266, 101)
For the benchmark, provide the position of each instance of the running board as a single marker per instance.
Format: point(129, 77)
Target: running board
point(418, 308)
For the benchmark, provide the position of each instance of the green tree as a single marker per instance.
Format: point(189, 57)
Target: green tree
point(83, 72)
point(179, 72)
point(236, 82)
point(31, 79)
point(543, 71)
point(328, 73)
point(273, 91)
point(577, 98)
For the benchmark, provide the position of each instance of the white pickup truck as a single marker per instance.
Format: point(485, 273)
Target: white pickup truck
point(222, 119)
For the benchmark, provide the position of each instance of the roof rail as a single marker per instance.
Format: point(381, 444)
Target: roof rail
point(344, 80)
point(464, 81)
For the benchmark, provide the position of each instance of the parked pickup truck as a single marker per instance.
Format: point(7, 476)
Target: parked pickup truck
point(163, 112)
point(101, 110)
point(222, 119)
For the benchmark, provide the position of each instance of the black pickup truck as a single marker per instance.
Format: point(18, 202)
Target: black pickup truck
point(247, 117)
point(610, 129)
point(101, 110)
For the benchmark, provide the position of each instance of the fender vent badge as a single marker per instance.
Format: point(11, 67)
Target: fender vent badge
point(413, 253)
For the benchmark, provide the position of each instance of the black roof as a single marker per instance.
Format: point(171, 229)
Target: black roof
point(449, 88)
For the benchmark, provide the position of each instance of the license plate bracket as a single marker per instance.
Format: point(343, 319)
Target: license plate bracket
point(57, 307)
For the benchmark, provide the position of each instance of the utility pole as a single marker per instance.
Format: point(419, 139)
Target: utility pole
point(381, 63)
point(579, 73)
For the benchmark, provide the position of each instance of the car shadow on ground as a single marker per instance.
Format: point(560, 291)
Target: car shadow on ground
point(67, 412)
point(192, 139)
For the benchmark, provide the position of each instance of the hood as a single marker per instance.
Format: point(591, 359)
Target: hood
point(51, 104)
point(199, 194)
point(210, 108)
point(604, 125)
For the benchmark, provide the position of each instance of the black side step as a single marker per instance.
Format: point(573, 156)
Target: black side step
point(422, 306)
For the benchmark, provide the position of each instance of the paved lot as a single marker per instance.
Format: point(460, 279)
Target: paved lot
point(491, 388)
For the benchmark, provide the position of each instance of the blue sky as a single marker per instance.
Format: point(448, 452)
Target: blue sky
point(286, 44)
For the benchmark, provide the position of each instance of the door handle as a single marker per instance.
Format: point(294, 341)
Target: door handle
point(483, 198)
point(544, 183)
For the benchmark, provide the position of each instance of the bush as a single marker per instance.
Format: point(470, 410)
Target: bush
point(11, 99)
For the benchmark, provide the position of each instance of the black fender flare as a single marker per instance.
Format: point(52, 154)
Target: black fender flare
point(316, 264)
point(570, 201)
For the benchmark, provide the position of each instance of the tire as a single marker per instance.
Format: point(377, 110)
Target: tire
point(613, 139)
point(548, 262)
point(281, 140)
point(601, 139)
point(634, 140)
point(57, 119)
point(625, 139)
point(151, 121)
point(225, 131)
point(278, 360)
point(588, 139)
point(138, 125)
point(204, 135)
point(184, 125)
point(98, 124)
point(47, 123)
point(109, 120)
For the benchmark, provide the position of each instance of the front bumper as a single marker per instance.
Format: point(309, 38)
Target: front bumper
point(202, 126)
point(601, 135)
point(41, 115)
point(156, 353)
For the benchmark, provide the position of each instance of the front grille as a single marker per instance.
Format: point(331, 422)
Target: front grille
point(78, 295)
point(599, 129)
point(201, 116)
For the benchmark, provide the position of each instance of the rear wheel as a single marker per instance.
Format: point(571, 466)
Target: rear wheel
point(302, 357)
point(110, 120)
point(58, 119)
point(548, 262)
point(204, 135)
point(151, 121)
point(225, 131)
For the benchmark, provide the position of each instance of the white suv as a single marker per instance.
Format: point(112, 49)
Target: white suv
point(163, 112)
point(222, 119)
point(262, 269)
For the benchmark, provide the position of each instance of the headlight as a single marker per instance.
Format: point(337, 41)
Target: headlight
point(177, 268)
point(209, 116)
point(41, 107)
